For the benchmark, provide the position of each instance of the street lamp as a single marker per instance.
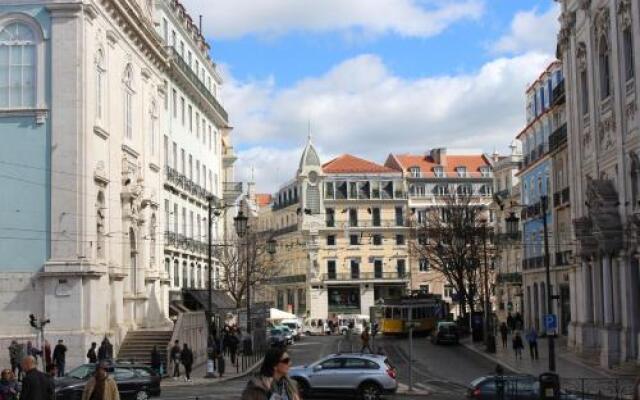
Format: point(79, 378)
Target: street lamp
point(241, 224)
point(490, 340)
point(271, 246)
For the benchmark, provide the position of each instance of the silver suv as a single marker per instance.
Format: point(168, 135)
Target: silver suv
point(368, 375)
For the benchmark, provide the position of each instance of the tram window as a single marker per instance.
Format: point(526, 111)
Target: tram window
point(387, 312)
point(414, 314)
point(405, 313)
point(396, 313)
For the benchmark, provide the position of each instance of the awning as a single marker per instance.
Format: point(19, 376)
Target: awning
point(276, 314)
point(220, 300)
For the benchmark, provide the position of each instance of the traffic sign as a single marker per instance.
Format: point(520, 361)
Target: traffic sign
point(551, 323)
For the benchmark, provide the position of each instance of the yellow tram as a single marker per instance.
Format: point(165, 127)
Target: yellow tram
point(424, 311)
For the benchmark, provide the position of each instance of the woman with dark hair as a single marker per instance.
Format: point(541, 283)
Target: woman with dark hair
point(273, 379)
point(101, 386)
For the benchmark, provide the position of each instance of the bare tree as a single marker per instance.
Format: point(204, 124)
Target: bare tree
point(233, 258)
point(450, 238)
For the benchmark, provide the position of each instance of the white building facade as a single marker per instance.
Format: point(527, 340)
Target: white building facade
point(598, 43)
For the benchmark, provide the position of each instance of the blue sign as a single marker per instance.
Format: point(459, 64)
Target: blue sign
point(551, 323)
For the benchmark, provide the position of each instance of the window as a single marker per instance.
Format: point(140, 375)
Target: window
point(330, 217)
point(422, 239)
point(400, 240)
point(153, 116)
point(197, 172)
point(197, 125)
point(331, 269)
point(331, 240)
point(359, 363)
point(401, 267)
point(377, 240)
point(99, 83)
point(627, 38)
point(584, 92)
point(329, 191)
point(375, 216)
point(604, 68)
point(424, 288)
point(334, 363)
point(377, 268)
point(424, 265)
point(176, 273)
point(355, 269)
point(354, 240)
point(190, 116)
point(184, 221)
point(182, 110)
point(17, 66)
point(189, 57)
point(415, 172)
point(462, 171)
point(438, 172)
point(173, 38)
point(175, 218)
point(128, 102)
point(353, 217)
point(399, 216)
point(448, 291)
point(190, 167)
point(165, 30)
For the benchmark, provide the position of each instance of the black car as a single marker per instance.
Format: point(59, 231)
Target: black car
point(134, 381)
point(446, 332)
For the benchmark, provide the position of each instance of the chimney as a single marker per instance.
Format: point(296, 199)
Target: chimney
point(439, 155)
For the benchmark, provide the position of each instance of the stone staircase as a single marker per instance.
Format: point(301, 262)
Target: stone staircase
point(137, 346)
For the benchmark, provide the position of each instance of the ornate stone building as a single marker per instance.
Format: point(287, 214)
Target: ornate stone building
point(598, 43)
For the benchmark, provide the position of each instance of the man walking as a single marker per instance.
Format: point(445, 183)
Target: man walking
point(91, 354)
point(504, 331)
point(187, 360)
point(60, 356)
point(36, 385)
point(175, 358)
point(14, 358)
point(365, 340)
point(532, 339)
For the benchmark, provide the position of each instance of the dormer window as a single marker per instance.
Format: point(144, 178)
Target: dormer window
point(485, 171)
point(415, 172)
point(438, 172)
point(462, 171)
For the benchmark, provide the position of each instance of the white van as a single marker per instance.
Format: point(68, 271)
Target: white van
point(295, 326)
point(357, 321)
point(313, 326)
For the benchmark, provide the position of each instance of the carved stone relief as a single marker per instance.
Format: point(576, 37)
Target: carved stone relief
point(581, 56)
point(606, 132)
point(624, 13)
point(630, 111)
point(603, 23)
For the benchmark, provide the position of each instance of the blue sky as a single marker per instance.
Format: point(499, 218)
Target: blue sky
point(373, 76)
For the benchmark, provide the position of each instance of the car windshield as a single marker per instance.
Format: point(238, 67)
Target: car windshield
point(290, 325)
point(82, 372)
point(276, 332)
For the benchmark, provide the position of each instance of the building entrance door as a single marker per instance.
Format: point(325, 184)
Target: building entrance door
point(565, 309)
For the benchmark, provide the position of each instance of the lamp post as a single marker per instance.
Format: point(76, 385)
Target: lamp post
point(240, 224)
point(490, 340)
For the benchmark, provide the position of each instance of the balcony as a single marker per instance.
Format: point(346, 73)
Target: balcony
point(563, 258)
point(368, 224)
point(186, 185)
point(558, 137)
point(558, 94)
point(533, 263)
point(180, 241)
point(561, 197)
point(512, 278)
point(232, 190)
point(195, 80)
point(365, 276)
point(531, 211)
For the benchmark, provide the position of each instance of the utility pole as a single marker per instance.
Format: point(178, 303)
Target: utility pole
point(488, 329)
point(209, 314)
point(552, 350)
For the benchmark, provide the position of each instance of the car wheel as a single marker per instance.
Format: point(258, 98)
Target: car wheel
point(308, 333)
point(142, 395)
point(303, 388)
point(369, 391)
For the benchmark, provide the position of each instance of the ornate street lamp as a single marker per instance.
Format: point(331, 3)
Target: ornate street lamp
point(240, 223)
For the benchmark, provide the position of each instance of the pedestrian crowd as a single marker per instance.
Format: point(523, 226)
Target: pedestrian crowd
point(513, 325)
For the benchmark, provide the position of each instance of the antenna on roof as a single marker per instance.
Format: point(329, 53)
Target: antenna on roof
point(200, 23)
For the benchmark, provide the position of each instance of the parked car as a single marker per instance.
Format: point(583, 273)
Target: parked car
point(134, 381)
point(358, 323)
point(514, 387)
point(295, 326)
point(367, 375)
point(313, 327)
point(288, 334)
point(276, 337)
point(446, 332)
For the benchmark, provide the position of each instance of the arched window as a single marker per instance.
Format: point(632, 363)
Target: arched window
point(627, 42)
point(635, 183)
point(185, 275)
point(100, 225)
point(100, 70)
point(604, 68)
point(198, 276)
point(127, 80)
point(167, 267)
point(192, 270)
point(152, 240)
point(18, 63)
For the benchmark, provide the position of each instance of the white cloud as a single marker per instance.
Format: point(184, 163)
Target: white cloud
point(531, 31)
point(411, 18)
point(359, 106)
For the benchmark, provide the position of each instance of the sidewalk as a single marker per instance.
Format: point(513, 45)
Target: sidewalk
point(200, 371)
point(568, 365)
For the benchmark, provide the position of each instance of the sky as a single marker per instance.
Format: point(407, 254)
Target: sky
point(370, 77)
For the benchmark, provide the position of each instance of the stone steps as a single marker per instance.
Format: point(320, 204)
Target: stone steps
point(137, 345)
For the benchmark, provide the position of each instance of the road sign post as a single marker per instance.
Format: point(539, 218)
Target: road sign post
point(411, 325)
point(551, 324)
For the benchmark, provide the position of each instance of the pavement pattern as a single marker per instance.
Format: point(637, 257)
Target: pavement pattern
point(439, 372)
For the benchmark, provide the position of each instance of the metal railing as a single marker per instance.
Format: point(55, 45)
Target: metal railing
point(195, 80)
point(558, 93)
point(181, 241)
point(187, 185)
point(348, 276)
point(558, 137)
point(385, 223)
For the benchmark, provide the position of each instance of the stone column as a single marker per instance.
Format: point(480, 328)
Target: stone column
point(587, 292)
point(607, 288)
point(596, 290)
point(574, 279)
point(616, 267)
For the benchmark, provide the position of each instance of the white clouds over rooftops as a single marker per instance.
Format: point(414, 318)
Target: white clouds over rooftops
point(360, 106)
point(530, 30)
point(409, 18)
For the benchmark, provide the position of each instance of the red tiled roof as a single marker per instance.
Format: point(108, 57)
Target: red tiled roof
point(348, 164)
point(263, 199)
point(427, 163)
